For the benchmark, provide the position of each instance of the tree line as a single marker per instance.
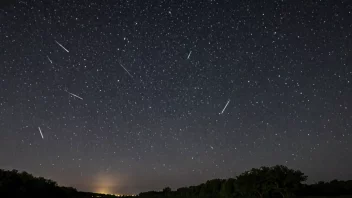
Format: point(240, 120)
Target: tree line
point(264, 182)
point(22, 184)
point(277, 182)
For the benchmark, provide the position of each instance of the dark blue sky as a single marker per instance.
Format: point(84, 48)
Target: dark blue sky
point(129, 94)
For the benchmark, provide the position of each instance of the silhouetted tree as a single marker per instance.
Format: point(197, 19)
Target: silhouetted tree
point(284, 180)
point(228, 188)
point(266, 181)
point(167, 191)
point(252, 183)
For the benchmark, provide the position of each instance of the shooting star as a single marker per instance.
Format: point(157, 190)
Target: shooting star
point(62, 46)
point(225, 107)
point(189, 54)
point(41, 132)
point(126, 70)
point(49, 60)
point(74, 95)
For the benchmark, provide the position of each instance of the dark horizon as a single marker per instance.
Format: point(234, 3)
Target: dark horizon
point(142, 95)
point(131, 190)
point(288, 182)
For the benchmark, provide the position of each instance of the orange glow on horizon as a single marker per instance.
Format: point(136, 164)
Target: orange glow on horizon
point(105, 184)
point(103, 191)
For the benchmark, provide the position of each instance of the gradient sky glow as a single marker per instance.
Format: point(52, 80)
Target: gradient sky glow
point(154, 77)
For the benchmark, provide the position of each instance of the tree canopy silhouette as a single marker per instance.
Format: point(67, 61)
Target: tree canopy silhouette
point(22, 184)
point(277, 181)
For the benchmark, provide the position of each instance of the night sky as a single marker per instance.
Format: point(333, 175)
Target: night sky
point(135, 95)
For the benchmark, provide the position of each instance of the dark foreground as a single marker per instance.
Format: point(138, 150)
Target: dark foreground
point(277, 181)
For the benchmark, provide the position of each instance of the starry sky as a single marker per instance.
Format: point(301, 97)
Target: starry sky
point(127, 96)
